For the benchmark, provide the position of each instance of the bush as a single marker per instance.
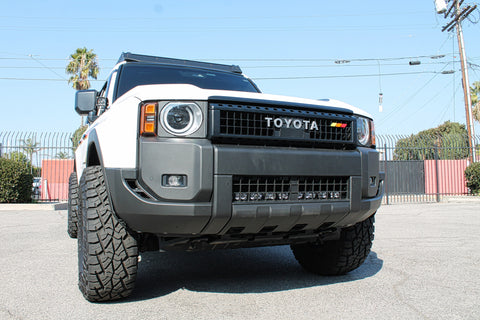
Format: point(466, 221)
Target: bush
point(447, 141)
point(15, 182)
point(472, 174)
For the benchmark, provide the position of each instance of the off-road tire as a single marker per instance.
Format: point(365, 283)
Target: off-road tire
point(73, 202)
point(107, 251)
point(340, 256)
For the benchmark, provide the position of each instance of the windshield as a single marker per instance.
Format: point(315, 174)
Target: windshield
point(134, 75)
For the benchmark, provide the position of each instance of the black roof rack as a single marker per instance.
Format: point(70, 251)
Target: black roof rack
point(132, 57)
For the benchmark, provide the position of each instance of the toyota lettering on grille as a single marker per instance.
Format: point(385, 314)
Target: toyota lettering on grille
point(292, 123)
point(305, 124)
point(310, 125)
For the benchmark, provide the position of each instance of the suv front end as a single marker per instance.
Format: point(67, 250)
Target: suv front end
point(241, 172)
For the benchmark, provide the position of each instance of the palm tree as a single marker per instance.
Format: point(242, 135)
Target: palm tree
point(83, 64)
point(475, 95)
point(62, 155)
point(30, 146)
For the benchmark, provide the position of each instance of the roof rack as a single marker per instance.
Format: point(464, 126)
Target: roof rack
point(132, 57)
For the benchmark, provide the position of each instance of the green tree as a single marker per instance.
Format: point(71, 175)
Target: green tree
point(449, 141)
point(19, 157)
point(472, 175)
point(82, 66)
point(475, 95)
point(77, 136)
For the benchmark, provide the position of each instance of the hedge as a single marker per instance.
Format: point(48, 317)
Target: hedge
point(15, 182)
point(472, 174)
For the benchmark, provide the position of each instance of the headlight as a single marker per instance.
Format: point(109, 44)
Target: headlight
point(181, 118)
point(365, 132)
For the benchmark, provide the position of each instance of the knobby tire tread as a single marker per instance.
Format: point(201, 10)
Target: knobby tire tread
point(73, 203)
point(107, 251)
point(340, 256)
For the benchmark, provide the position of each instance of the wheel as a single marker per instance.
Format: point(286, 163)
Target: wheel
point(107, 251)
point(72, 220)
point(340, 256)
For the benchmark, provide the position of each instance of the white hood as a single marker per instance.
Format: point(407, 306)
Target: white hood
point(191, 92)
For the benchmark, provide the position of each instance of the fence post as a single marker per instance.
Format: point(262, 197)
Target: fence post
point(436, 174)
point(385, 167)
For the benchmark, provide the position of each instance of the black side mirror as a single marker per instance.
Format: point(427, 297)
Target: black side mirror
point(85, 101)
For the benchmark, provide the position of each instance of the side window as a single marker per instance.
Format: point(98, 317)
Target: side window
point(102, 94)
point(111, 86)
point(103, 90)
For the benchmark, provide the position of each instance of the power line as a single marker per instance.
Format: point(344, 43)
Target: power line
point(410, 98)
point(277, 78)
point(447, 106)
point(42, 79)
point(346, 65)
point(47, 67)
point(433, 56)
point(70, 18)
point(409, 115)
point(270, 66)
point(348, 76)
point(202, 29)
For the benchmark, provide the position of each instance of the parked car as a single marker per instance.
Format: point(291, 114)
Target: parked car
point(37, 187)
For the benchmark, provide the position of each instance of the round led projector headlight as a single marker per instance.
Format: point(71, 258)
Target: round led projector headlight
point(363, 131)
point(181, 118)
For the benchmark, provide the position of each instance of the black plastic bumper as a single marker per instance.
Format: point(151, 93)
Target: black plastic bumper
point(206, 207)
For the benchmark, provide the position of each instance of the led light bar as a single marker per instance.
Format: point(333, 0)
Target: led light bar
point(284, 196)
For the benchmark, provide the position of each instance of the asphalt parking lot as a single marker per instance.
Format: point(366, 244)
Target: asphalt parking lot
point(424, 264)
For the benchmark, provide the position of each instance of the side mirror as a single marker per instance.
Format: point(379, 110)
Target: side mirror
point(85, 101)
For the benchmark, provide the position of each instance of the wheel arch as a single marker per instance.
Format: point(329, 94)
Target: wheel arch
point(94, 154)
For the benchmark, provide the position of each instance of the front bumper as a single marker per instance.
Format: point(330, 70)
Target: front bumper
point(206, 206)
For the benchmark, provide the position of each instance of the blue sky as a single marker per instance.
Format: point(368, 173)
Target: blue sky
point(288, 48)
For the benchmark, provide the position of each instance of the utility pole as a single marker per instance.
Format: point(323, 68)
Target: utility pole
point(458, 14)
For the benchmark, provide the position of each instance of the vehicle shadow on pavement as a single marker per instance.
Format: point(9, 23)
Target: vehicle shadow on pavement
point(254, 270)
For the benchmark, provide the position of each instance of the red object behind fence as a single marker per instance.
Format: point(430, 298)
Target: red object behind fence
point(451, 178)
point(55, 174)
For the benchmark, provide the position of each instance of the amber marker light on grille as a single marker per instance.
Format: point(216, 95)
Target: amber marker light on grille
point(338, 125)
point(148, 116)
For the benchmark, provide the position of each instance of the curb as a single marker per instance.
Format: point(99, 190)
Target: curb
point(464, 199)
point(34, 206)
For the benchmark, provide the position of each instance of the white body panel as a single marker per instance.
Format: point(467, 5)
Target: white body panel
point(117, 131)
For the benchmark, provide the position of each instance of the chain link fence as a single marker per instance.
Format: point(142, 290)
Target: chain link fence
point(417, 169)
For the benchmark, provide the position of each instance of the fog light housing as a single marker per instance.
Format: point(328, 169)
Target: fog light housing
point(174, 180)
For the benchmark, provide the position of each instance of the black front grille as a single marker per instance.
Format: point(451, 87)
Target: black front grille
point(267, 124)
point(278, 189)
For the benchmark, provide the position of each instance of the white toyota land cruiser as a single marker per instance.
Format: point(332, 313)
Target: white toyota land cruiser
point(192, 156)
